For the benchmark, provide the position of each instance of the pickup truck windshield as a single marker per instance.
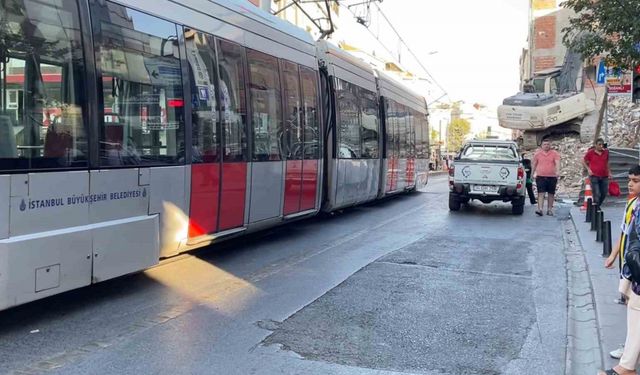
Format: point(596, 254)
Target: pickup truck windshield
point(489, 152)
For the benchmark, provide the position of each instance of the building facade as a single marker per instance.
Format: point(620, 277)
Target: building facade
point(546, 50)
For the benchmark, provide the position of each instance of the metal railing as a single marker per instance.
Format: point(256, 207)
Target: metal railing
point(620, 161)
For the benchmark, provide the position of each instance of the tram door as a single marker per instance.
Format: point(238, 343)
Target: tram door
point(293, 142)
point(301, 142)
point(311, 138)
point(233, 109)
point(219, 138)
point(392, 146)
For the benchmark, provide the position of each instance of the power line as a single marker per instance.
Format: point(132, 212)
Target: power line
point(411, 51)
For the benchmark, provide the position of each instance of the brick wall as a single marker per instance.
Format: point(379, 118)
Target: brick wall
point(545, 32)
point(543, 62)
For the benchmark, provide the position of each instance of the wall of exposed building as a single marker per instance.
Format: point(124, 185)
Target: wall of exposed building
point(548, 20)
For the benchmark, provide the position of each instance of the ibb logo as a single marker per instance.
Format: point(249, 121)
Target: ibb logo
point(504, 173)
point(466, 171)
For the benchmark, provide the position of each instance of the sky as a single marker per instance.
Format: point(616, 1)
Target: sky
point(471, 47)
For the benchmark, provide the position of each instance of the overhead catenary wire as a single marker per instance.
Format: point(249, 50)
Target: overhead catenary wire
point(430, 77)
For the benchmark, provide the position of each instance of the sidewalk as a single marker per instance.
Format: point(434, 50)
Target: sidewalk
point(611, 317)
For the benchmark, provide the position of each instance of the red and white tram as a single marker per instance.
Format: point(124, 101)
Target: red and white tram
point(135, 130)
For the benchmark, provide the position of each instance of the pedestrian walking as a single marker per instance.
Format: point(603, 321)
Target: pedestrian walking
point(546, 163)
point(526, 163)
point(596, 161)
point(629, 233)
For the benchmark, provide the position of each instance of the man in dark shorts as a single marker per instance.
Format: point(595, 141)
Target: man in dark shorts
point(546, 163)
point(596, 160)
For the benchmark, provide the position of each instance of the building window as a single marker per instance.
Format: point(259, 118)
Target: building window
point(138, 60)
point(266, 109)
point(42, 88)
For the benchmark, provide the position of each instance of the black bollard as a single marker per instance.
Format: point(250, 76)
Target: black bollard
point(599, 223)
point(594, 217)
point(606, 238)
point(588, 216)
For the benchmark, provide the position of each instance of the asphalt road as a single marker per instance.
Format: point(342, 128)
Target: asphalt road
point(398, 287)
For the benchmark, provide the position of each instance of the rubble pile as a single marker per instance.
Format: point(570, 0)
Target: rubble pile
point(571, 170)
point(624, 122)
point(623, 131)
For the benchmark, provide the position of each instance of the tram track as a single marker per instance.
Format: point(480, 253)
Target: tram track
point(206, 294)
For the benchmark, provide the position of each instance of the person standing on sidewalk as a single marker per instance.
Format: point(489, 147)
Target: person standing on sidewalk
point(630, 230)
point(596, 161)
point(526, 163)
point(546, 163)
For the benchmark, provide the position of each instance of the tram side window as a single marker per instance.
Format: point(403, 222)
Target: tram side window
point(292, 132)
point(42, 86)
point(138, 60)
point(369, 119)
point(348, 122)
point(311, 123)
point(266, 107)
point(202, 68)
point(233, 108)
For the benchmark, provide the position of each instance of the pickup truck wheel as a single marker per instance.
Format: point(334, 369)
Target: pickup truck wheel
point(517, 207)
point(517, 210)
point(454, 203)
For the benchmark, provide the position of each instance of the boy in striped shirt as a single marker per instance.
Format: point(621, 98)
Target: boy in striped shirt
point(630, 288)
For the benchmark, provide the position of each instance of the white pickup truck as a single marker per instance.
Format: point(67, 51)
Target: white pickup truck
point(487, 170)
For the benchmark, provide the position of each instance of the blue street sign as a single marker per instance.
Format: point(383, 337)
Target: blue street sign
point(602, 73)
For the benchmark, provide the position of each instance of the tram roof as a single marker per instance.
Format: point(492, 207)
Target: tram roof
point(391, 88)
point(346, 66)
point(238, 21)
point(246, 9)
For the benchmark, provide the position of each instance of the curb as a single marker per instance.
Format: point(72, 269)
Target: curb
point(584, 352)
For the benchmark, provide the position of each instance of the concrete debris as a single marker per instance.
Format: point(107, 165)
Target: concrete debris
point(571, 170)
point(623, 131)
point(571, 151)
point(623, 122)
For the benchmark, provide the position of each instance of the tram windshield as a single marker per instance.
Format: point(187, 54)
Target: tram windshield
point(41, 85)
